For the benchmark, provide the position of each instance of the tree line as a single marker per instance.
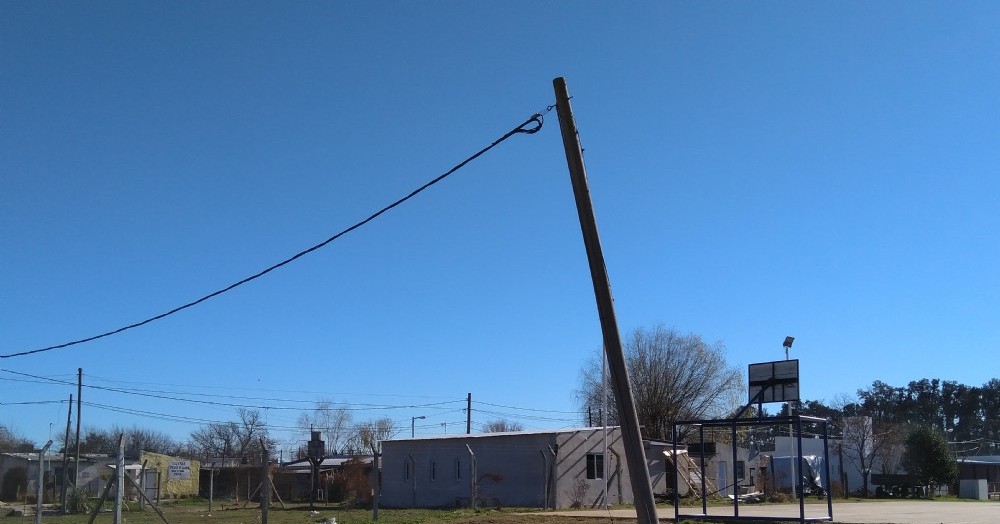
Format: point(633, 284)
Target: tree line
point(919, 427)
point(240, 439)
point(969, 416)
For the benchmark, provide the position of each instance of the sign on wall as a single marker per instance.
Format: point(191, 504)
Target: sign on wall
point(179, 470)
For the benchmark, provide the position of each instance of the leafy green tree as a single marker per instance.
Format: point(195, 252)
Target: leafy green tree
point(990, 413)
point(928, 457)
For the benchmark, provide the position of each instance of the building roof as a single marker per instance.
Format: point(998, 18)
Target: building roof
point(500, 434)
point(981, 459)
point(303, 465)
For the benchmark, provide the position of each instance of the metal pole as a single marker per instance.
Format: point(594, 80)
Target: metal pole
point(211, 486)
point(265, 484)
point(413, 426)
point(642, 491)
point(826, 465)
point(736, 483)
point(604, 424)
point(41, 482)
point(473, 494)
point(377, 482)
point(798, 458)
point(677, 485)
point(701, 461)
point(141, 486)
point(468, 415)
point(119, 479)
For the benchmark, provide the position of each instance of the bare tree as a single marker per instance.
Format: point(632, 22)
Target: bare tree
point(144, 439)
point(333, 422)
point(889, 453)
point(235, 439)
point(217, 439)
point(97, 440)
point(367, 437)
point(11, 441)
point(502, 426)
point(251, 429)
point(137, 439)
point(864, 443)
point(674, 377)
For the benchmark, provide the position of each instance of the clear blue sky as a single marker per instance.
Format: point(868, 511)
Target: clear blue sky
point(826, 171)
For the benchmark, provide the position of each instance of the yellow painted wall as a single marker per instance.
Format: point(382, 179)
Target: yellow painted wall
point(172, 488)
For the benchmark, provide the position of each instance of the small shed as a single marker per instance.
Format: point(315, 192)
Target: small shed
point(984, 467)
point(545, 469)
point(169, 477)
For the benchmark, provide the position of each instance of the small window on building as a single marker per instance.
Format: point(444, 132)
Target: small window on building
point(458, 469)
point(595, 465)
point(406, 470)
point(740, 469)
point(433, 470)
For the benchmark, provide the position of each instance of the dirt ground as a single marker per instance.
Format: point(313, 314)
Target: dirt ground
point(887, 512)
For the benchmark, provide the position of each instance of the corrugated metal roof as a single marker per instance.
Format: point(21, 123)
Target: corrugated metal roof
point(506, 433)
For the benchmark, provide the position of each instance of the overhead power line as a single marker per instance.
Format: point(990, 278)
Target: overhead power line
point(140, 393)
point(32, 402)
point(527, 409)
point(322, 396)
point(530, 126)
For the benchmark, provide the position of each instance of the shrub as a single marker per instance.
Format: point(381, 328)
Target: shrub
point(78, 500)
point(779, 497)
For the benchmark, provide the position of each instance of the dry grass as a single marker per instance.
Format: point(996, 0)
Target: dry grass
point(197, 512)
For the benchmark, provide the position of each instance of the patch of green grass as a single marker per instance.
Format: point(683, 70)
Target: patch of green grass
point(193, 511)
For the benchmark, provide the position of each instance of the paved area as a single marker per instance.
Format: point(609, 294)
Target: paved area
point(876, 512)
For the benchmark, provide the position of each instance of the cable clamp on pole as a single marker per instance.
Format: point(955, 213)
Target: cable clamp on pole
point(536, 119)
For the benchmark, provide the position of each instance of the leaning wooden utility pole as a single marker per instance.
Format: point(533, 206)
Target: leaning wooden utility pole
point(642, 491)
point(79, 415)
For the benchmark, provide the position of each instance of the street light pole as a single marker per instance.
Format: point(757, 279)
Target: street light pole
point(795, 456)
point(413, 427)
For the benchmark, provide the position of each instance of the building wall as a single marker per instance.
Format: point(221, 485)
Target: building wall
point(660, 478)
point(976, 468)
point(572, 485)
point(529, 469)
point(94, 473)
point(172, 487)
point(18, 475)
